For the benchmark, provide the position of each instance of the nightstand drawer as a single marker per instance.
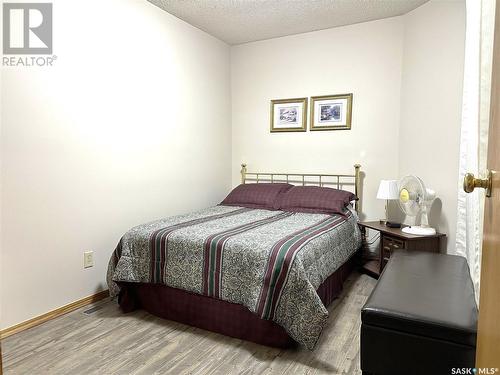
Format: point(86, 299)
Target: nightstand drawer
point(390, 244)
point(386, 248)
point(398, 244)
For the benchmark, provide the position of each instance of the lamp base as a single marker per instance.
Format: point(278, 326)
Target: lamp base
point(393, 225)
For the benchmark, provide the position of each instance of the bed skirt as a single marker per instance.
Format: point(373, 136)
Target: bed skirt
point(219, 316)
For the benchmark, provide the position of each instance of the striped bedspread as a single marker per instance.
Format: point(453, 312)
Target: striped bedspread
point(272, 262)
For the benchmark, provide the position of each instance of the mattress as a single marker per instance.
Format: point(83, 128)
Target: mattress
point(271, 262)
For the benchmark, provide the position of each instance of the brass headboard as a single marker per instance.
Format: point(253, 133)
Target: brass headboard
point(337, 180)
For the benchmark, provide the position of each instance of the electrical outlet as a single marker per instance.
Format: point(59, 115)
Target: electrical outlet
point(88, 259)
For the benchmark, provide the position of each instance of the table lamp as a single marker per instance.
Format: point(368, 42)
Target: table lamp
point(388, 190)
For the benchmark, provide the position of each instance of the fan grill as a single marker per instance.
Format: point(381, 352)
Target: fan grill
point(412, 195)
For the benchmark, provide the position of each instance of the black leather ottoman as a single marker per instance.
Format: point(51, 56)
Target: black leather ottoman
point(421, 317)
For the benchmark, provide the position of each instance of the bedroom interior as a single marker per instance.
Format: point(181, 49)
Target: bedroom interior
point(250, 187)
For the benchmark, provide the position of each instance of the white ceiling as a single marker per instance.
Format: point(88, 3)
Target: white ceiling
point(241, 21)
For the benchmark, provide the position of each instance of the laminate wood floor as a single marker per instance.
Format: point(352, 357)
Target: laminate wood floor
point(107, 341)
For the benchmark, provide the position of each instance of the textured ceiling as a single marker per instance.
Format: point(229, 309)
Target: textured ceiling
point(241, 21)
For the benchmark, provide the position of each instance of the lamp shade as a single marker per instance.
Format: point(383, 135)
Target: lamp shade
point(388, 189)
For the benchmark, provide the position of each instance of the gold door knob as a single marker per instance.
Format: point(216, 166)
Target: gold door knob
point(471, 182)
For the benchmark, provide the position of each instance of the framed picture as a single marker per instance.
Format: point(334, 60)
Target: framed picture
point(289, 115)
point(331, 112)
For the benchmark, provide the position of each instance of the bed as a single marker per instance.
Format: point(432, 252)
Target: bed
point(260, 273)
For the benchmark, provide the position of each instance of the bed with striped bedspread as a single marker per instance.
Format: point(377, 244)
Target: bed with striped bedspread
point(272, 262)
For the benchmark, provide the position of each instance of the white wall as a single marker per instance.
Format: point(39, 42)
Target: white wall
point(406, 75)
point(131, 124)
point(364, 59)
point(431, 104)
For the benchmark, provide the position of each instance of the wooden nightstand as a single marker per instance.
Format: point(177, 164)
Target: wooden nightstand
point(394, 239)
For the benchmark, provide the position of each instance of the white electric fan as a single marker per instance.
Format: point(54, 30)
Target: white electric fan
point(415, 198)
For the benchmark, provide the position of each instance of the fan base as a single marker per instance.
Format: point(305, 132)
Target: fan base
point(420, 231)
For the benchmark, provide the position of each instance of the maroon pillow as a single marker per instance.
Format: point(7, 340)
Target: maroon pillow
point(315, 199)
point(255, 195)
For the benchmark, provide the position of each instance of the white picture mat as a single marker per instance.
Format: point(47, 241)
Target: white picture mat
point(330, 102)
point(280, 124)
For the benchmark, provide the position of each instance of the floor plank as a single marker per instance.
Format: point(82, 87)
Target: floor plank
point(109, 342)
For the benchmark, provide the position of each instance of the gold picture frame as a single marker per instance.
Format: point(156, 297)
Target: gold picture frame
point(289, 115)
point(331, 112)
